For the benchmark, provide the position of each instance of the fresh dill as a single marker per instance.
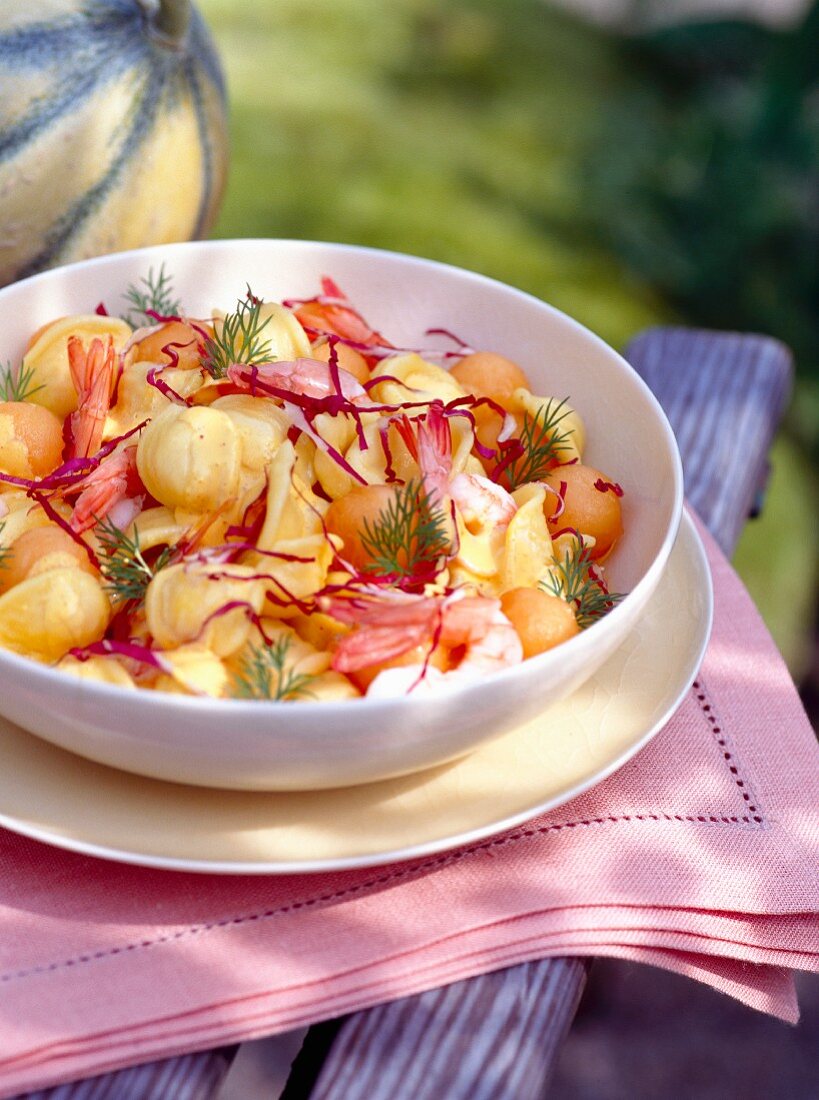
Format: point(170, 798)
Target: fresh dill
point(573, 582)
point(5, 551)
point(153, 293)
point(17, 386)
point(238, 339)
point(263, 674)
point(126, 572)
point(541, 444)
point(407, 538)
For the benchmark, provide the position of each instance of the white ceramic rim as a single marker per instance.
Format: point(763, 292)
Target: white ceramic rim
point(687, 673)
point(586, 640)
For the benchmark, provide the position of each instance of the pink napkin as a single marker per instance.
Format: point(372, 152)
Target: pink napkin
point(698, 856)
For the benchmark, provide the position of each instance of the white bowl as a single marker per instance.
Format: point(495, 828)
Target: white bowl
point(296, 746)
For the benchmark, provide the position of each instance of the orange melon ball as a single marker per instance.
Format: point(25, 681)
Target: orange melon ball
point(438, 658)
point(541, 620)
point(486, 374)
point(37, 551)
point(31, 439)
point(346, 517)
point(591, 506)
point(149, 350)
point(348, 359)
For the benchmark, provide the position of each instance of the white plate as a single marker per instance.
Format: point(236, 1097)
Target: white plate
point(73, 803)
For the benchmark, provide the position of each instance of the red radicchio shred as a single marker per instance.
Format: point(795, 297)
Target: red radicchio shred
point(332, 363)
point(236, 605)
point(597, 577)
point(73, 471)
point(511, 451)
point(132, 650)
point(465, 406)
point(436, 641)
point(209, 553)
point(69, 443)
point(199, 330)
point(368, 385)
point(389, 471)
point(55, 516)
point(303, 421)
point(289, 600)
point(162, 318)
point(169, 349)
point(568, 531)
point(153, 379)
point(605, 486)
point(117, 380)
point(561, 499)
point(464, 348)
point(319, 490)
point(101, 311)
point(252, 520)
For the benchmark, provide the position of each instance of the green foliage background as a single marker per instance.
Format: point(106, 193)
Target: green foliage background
point(511, 139)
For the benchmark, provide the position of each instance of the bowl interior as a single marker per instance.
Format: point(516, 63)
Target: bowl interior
point(628, 436)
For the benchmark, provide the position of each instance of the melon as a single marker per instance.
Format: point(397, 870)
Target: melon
point(113, 129)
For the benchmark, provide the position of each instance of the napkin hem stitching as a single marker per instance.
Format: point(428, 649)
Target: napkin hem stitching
point(380, 880)
point(730, 759)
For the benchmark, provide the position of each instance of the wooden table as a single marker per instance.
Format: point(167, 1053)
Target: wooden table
point(498, 1035)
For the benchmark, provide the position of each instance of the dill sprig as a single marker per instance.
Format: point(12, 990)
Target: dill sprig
point(5, 551)
point(127, 573)
point(407, 538)
point(17, 386)
point(541, 444)
point(239, 339)
point(263, 674)
point(157, 295)
point(573, 582)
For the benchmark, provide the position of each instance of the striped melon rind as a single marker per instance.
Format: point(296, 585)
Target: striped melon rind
point(110, 137)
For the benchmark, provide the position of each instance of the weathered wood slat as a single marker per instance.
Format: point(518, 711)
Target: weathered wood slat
point(189, 1077)
point(492, 1036)
point(724, 394)
point(499, 1035)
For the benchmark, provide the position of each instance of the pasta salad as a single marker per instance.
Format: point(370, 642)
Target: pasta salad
point(277, 503)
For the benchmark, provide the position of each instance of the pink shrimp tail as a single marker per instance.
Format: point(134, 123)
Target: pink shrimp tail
point(385, 630)
point(103, 489)
point(92, 373)
point(434, 452)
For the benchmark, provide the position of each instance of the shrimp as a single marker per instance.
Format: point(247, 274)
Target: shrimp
point(105, 492)
point(92, 373)
point(484, 504)
point(333, 314)
point(308, 377)
point(475, 636)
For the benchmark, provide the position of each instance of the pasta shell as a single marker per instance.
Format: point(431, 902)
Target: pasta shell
point(182, 604)
point(46, 615)
point(570, 423)
point(101, 670)
point(190, 458)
